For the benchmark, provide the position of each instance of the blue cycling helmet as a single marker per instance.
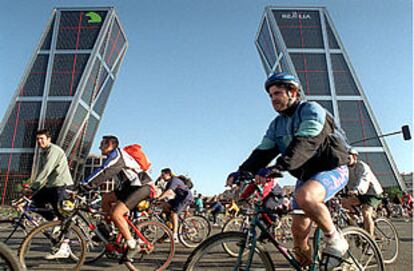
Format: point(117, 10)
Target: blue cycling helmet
point(281, 77)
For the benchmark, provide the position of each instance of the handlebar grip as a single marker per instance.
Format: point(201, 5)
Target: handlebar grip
point(274, 173)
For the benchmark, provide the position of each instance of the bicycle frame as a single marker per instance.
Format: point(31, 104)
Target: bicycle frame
point(19, 219)
point(159, 217)
point(251, 239)
point(119, 236)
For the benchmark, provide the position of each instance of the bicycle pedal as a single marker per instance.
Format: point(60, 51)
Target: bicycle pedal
point(125, 259)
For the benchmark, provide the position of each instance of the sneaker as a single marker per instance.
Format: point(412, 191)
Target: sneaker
point(56, 230)
point(63, 253)
point(132, 252)
point(175, 238)
point(334, 251)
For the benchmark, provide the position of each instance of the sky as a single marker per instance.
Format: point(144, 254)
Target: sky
point(190, 89)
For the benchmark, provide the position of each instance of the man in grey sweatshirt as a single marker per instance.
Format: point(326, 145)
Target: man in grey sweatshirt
point(50, 183)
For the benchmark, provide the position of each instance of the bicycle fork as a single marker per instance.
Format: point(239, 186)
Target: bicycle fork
point(250, 244)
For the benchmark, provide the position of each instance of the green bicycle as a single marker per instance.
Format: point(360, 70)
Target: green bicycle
point(254, 251)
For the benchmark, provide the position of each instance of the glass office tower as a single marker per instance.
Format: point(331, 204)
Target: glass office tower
point(304, 42)
point(65, 89)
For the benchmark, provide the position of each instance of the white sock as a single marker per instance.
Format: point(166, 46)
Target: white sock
point(332, 235)
point(131, 243)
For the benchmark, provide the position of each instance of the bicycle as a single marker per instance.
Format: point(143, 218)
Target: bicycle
point(192, 230)
point(363, 253)
point(15, 228)
point(386, 235)
point(8, 262)
point(151, 236)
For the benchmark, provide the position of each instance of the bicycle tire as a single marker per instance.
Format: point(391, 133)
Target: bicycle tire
point(44, 239)
point(193, 230)
point(8, 260)
point(360, 244)
point(95, 248)
point(282, 231)
point(161, 255)
point(12, 233)
point(386, 237)
point(234, 224)
point(207, 255)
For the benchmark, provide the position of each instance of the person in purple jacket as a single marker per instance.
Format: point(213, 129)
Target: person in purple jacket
point(179, 196)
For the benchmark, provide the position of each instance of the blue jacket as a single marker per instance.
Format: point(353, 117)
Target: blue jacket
point(307, 139)
point(116, 165)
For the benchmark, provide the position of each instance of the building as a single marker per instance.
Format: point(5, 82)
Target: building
point(304, 42)
point(408, 179)
point(65, 88)
point(93, 162)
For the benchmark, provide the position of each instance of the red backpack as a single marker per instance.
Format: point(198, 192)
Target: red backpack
point(135, 151)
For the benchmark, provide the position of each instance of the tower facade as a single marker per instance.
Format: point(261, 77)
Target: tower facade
point(304, 42)
point(65, 89)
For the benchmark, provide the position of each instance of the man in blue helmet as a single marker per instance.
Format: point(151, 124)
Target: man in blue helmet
point(310, 147)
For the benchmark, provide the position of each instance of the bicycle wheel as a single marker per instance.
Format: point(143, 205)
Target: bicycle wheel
point(363, 252)
point(210, 255)
point(386, 237)
point(283, 233)
point(48, 238)
point(95, 247)
point(8, 261)
point(12, 233)
point(193, 230)
point(236, 225)
point(159, 253)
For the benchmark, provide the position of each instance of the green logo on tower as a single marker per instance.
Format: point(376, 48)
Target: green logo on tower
point(94, 17)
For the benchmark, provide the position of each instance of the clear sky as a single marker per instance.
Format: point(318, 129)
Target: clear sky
point(190, 90)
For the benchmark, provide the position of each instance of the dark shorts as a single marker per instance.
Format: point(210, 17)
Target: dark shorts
point(370, 200)
point(132, 195)
point(52, 196)
point(179, 203)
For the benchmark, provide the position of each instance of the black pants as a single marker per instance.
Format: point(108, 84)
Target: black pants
point(49, 195)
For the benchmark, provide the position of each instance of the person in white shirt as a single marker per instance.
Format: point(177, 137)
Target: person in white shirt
point(363, 189)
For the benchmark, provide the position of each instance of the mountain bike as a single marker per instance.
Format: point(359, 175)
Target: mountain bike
point(386, 235)
point(254, 254)
point(192, 230)
point(154, 251)
point(14, 228)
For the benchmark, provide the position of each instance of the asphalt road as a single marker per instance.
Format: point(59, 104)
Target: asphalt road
point(404, 261)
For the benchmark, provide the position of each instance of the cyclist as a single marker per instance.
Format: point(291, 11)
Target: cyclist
point(182, 199)
point(50, 183)
point(386, 205)
point(134, 186)
point(363, 189)
point(232, 208)
point(407, 202)
point(311, 148)
point(199, 205)
point(216, 208)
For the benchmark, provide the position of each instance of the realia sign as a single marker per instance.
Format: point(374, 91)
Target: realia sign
point(296, 15)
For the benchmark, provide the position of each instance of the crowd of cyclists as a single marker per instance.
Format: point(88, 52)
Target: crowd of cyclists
point(304, 139)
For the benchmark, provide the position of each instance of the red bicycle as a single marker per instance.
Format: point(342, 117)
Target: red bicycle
point(82, 234)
